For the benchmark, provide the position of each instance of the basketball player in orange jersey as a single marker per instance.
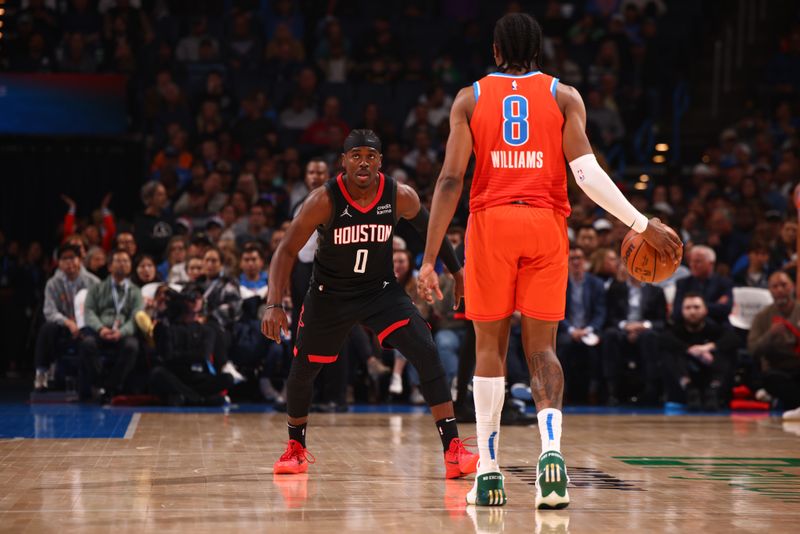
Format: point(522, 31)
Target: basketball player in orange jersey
point(521, 124)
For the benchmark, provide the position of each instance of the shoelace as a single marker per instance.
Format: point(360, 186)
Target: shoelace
point(292, 452)
point(461, 443)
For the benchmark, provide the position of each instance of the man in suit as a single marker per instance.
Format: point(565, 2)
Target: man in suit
point(578, 333)
point(716, 290)
point(636, 313)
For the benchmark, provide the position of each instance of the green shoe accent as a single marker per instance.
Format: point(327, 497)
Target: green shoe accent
point(552, 481)
point(488, 490)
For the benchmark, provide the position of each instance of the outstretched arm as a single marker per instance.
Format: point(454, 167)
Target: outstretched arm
point(409, 208)
point(596, 183)
point(316, 210)
point(448, 188)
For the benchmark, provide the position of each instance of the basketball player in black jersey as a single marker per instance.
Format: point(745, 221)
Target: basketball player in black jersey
point(353, 282)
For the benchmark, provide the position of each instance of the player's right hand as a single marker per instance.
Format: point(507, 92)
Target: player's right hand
point(273, 323)
point(428, 283)
point(662, 238)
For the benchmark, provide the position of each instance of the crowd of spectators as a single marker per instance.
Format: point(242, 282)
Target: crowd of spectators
point(244, 111)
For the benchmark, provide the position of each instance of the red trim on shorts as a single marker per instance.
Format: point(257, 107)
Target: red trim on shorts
point(295, 351)
point(459, 315)
point(316, 358)
point(391, 328)
point(343, 189)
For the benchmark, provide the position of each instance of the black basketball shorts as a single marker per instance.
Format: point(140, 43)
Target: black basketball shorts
point(325, 319)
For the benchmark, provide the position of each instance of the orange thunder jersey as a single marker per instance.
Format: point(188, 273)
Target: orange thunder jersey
point(516, 132)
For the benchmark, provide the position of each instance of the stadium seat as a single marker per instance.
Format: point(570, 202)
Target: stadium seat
point(747, 302)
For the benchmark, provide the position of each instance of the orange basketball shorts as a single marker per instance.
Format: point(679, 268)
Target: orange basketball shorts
point(516, 259)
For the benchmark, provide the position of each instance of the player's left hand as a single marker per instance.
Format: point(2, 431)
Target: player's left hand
point(458, 288)
point(428, 283)
point(273, 323)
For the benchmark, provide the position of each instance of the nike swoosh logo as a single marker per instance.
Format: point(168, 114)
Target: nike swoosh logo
point(450, 420)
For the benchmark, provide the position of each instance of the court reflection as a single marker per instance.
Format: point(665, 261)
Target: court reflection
point(552, 521)
point(293, 488)
point(487, 519)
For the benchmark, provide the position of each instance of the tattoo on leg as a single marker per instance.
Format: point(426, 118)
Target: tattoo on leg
point(547, 378)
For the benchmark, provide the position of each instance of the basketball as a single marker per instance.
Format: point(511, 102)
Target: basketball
point(642, 262)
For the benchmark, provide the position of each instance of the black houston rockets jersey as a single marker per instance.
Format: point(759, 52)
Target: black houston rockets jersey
point(355, 248)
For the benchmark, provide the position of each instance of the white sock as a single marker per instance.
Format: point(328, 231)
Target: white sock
point(550, 429)
point(489, 393)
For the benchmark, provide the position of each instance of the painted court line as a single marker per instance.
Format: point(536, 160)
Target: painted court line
point(132, 426)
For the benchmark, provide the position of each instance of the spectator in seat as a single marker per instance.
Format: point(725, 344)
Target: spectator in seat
point(184, 346)
point(697, 356)
point(320, 132)
point(59, 324)
point(717, 291)
point(223, 307)
point(144, 271)
point(636, 313)
point(96, 262)
point(188, 49)
point(578, 333)
point(586, 239)
point(756, 273)
point(604, 264)
point(251, 263)
point(175, 254)
point(256, 228)
point(774, 339)
point(194, 269)
point(127, 242)
point(109, 314)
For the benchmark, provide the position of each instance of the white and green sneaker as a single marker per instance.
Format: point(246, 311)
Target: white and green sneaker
point(551, 482)
point(488, 490)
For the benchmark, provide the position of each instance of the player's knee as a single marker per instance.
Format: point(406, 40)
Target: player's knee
point(303, 371)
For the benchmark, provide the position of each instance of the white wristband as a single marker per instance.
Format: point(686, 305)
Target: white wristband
point(599, 187)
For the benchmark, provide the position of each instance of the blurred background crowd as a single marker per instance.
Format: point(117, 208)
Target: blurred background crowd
point(238, 109)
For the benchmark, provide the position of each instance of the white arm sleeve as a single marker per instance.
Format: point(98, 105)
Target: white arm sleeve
point(598, 186)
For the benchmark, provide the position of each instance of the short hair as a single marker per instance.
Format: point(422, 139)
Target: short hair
point(586, 227)
point(117, 252)
point(693, 295)
point(757, 245)
point(69, 247)
point(519, 40)
point(148, 190)
point(253, 246)
point(707, 251)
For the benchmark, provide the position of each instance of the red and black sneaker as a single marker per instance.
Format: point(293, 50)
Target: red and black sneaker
point(458, 461)
point(294, 460)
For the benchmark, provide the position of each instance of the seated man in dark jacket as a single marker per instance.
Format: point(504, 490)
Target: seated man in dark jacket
point(636, 314)
point(184, 374)
point(716, 290)
point(697, 357)
point(578, 333)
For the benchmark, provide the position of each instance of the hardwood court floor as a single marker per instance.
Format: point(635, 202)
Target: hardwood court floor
point(211, 472)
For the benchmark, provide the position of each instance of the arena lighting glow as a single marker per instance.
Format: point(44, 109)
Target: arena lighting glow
point(644, 178)
point(662, 147)
point(640, 186)
point(659, 159)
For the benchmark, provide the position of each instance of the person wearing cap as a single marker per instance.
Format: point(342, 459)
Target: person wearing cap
point(60, 326)
point(214, 227)
point(603, 228)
